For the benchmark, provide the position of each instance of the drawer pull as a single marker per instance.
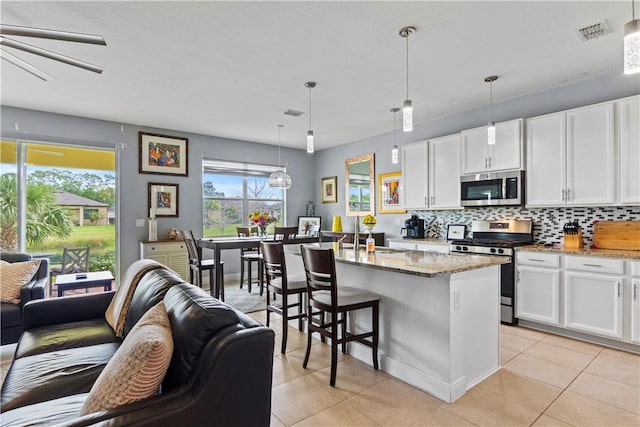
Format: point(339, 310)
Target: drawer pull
point(592, 265)
point(536, 260)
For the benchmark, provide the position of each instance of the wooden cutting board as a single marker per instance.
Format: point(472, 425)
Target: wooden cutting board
point(623, 235)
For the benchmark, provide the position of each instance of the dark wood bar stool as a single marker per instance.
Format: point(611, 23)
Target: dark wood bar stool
point(324, 296)
point(198, 265)
point(278, 282)
point(248, 257)
point(284, 233)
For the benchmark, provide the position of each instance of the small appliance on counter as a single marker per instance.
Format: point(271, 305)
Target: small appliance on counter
point(572, 235)
point(413, 228)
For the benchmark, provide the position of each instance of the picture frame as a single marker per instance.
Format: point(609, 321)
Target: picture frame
point(163, 154)
point(330, 189)
point(456, 231)
point(163, 200)
point(389, 192)
point(304, 221)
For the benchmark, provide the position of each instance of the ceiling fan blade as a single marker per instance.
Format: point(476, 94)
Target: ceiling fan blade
point(15, 30)
point(49, 54)
point(25, 65)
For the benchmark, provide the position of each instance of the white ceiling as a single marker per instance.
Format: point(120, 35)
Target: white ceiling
point(231, 68)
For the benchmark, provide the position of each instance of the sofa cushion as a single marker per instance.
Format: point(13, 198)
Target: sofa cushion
point(136, 370)
point(13, 276)
point(10, 315)
point(149, 292)
point(52, 412)
point(55, 374)
point(117, 311)
point(195, 317)
point(64, 336)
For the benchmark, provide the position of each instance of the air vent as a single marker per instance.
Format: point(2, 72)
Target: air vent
point(293, 113)
point(594, 31)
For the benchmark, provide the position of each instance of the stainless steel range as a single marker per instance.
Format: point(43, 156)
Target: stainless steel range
point(499, 237)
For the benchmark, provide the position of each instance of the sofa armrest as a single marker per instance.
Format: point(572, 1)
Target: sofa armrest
point(64, 310)
point(33, 290)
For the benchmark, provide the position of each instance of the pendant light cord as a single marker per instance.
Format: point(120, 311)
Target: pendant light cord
point(279, 128)
point(309, 107)
point(394, 128)
point(491, 96)
point(407, 38)
point(633, 9)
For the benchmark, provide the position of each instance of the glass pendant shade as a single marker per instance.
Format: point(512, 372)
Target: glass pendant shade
point(632, 47)
point(394, 155)
point(310, 141)
point(280, 179)
point(491, 133)
point(407, 116)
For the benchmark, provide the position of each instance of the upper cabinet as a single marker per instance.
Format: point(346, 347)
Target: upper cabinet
point(431, 174)
point(571, 158)
point(628, 123)
point(505, 154)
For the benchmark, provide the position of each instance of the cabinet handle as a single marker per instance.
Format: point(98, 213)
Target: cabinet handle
point(592, 265)
point(564, 194)
point(619, 286)
point(486, 162)
point(425, 201)
point(433, 200)
point(635, 291)
point(568, 194)
point(536, 260)
point(489, 161)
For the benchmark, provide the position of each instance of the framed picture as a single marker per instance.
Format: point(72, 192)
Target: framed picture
point(164, 155)
point(308, 221)
point(330, 189)
point(456, 231)
point(389, 192)
point(163, 200)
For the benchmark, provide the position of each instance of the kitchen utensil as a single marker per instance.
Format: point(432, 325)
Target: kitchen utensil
point(623, 235)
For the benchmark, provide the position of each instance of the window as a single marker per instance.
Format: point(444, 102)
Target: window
point(231, 191)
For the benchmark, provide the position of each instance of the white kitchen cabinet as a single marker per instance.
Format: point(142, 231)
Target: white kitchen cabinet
point(505, 154)
point(395, 244)
point(635, 301)
point(628, 124)
point(433, 247)
point(593, 303)
point(571, 158)
point(431, 174)
point(415, 175)
point(172, 254)
point(538, 288)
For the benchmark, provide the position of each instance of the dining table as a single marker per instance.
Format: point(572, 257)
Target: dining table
point(218, 244)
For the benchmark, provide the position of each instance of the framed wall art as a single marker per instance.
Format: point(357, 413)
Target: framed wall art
point(389, 192)
point(164, 155)
point(304, 222)
point(330, 189)
point(163, 200)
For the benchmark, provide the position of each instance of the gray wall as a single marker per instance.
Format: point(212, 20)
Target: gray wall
point(330, 162)
point(48, 127)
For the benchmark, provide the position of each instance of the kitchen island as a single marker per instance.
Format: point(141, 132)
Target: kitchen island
point(439, 313)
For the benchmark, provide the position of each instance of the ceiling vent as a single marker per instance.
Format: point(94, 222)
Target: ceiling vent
point(592, 32)
point(293, 113)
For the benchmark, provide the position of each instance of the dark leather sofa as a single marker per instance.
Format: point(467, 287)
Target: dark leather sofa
point(220, 373)
point(11, 314)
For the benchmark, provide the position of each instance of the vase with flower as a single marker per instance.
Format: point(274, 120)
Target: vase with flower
point(369, 221)
point(262, 220)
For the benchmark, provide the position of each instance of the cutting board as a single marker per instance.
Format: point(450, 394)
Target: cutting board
point(623, 235)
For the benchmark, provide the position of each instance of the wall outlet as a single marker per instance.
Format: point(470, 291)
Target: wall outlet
point(140, 222)
point(457, 300)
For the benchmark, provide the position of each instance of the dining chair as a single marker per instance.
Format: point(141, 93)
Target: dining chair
point(248, 257)
point(197, 265)
point(285, 233)
point(74, 260)
point(280, 283)
point(326, 297)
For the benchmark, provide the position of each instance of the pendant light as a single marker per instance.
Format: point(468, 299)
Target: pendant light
point(407, 106)
point(632, 43)
point(280, 178)
point(310, 148)
point(491, 126)
point(394, 151)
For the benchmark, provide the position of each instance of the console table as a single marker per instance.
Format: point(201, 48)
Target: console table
point(334, 236)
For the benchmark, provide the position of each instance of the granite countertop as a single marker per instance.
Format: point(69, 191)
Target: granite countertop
point(418, 263)
point(608, 253)
point(425, 240)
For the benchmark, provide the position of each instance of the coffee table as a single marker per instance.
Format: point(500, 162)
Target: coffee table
point(94, 279)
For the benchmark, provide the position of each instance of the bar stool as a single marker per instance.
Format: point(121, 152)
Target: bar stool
point(197, 264)
point(278, 282)
point(248, 257)
point(284, 233)
point(324, 295)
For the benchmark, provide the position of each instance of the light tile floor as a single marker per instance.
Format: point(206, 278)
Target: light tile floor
point(546, 380)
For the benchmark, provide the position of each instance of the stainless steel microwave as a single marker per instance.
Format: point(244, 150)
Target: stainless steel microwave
point(492, 189)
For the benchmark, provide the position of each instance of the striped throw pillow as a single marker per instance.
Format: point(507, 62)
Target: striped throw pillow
point(13, 276)
point(137, 369)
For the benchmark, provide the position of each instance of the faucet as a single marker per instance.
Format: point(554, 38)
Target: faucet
point(356, 237)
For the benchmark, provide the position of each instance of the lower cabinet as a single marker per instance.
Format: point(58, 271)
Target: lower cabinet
point(593, 303)
point(422, 246)
point(170, 253)
point(635, 302)
point(538, 295)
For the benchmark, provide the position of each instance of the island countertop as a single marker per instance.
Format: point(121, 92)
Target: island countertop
point(418, 263)
point(586, 251)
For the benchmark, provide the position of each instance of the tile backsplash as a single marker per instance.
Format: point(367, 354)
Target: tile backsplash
point(547, 222)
